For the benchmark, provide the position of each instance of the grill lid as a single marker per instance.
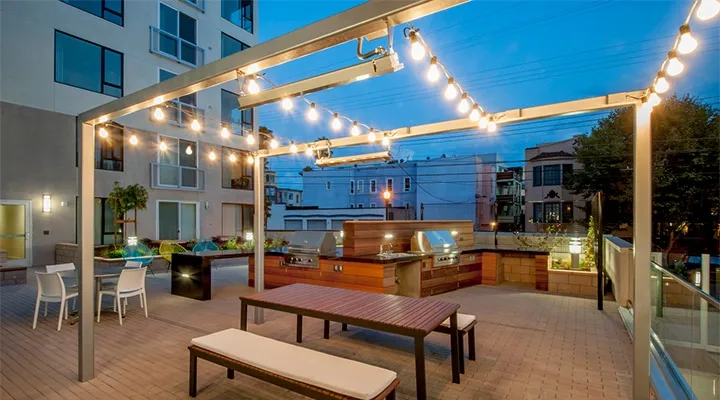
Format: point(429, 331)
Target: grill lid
point(315, 242)
point(435, 242)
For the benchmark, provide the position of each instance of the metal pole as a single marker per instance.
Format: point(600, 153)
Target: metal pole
point(705, 286)
point(642, 239)
point(86, 181)
point(599, 258)
point(259, 234)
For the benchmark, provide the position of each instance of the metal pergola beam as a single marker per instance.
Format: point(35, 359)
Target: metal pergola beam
point(367, 19)
point(615, 100)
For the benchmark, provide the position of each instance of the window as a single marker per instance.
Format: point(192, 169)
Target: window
point(111, 10)
point(352, 205)
point(360, 205)
point(389, 185)
point(360, 188)
point(104, 222)
point(237, 173)
point(87, 65)
point(551, 175)
point(239, 12)
point(372, 205)
point(327, 185)
point(373, 186)
point(337, 224)
point(178, 36)
point(406, 184)
point(406, 205)
point(297, 197)
point(352, 187)
point(181, 110)
point(230, 45)
point(537, 176)
point(316, 224)
point(567, 212)
point(293, 224)
point(178, 153)
point(537, 213)
point(552, 213)
point(230, 114)
point(109, 150)
point(177, 220)
point(237, 219)
point(567, 171)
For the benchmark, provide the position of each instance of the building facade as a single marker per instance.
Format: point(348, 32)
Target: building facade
point(547, 201)
point(445, 188)
point(64, 57)
point(509, 198)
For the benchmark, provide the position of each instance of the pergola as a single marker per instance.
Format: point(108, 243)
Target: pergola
point(370, 20)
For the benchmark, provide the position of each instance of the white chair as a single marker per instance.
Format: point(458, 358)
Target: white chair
point(133, 264)
point(59, 268)
point(66, 267)
point(130, 284)
point(51, 289)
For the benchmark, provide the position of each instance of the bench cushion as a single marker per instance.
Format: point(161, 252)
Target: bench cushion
point(340, 375)
point(464, 320)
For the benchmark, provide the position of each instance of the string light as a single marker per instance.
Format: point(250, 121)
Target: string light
point(287, 104)
point(385, 140)
point(224, 133)
point(163, 146)
point(371, 135)
point(103, 119)
point(687, 42)
point(417, 50)
point(253, 87)
point(674, 66)
point(661, 84)
point(450, 90)
point(158, 114)
point(274, 143)
point(336, 124)
point(433, 73)
point(309, 152)
point(492, 126)
point(250, 139)
point(312, 113)
point(653, 99)
point(475, 113)
point(464, 105)
point(293, 147)
point(250, 159)
point(484, 121)
point(233, 158)
point(133, 140)
point(212, 156)
point(103, 132)
point(195, 125)
point(188, 150)
point(708, 9)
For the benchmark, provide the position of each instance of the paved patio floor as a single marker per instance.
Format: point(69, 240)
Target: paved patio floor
point(530, 346)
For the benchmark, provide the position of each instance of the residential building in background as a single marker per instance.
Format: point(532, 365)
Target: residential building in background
point(509, 198)
point(547, 201)
point(66, 57)
point(445, 188)
point(291, 197)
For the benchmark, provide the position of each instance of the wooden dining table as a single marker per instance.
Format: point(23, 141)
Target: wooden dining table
point(406, 316)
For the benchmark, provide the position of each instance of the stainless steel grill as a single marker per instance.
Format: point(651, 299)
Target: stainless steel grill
point(438, 243)
point(306, 247)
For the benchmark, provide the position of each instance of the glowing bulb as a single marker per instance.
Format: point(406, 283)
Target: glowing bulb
point(483, 123)
point(475, 113)
point(159, 114)
point(195, 125)
point(674, 66)
point(708, 9)
point(133, 140)
point(451, 90)
point(253, 86)
point(103, 132)
point(287, 104)
point(371, 135)
point(492, 127)
point(225, 133)
point(250, 159)
point(416, 49)
point(293, 147)
point(163, 146)
point(188, 150)
point(336, 124)
point(251, 139)
point(312, 113)
point(464, 105)
point(274, 144)
point(653, 99)
point(385, 141)
point(212, 156)
point(233, 158)
point(433, 73)
point(309, 152)
point(661, 84)
point(687, 42)
point(355, 130)
point(104, 118)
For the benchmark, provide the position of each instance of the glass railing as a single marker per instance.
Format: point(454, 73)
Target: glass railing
point(176, 48)
point(169, 176)
point(183, 114)
point(685, 323)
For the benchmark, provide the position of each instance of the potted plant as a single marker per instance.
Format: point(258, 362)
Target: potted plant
point(124, 199)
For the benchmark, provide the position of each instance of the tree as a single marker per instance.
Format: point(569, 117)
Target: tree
point(124, 199)
point(686, 161)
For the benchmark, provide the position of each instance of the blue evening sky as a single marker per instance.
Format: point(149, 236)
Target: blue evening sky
point(506, 54)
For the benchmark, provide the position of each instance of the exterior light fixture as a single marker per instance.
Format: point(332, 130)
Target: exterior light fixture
point(371, 135)
point(189, 150)
point(475, 113)
point(492, 126)
point(212, 156)
point(103, 119)
point(385, 140)
point(312, 113)
point(132, 240)
point(249, 236)
point(46, 203)
point(224, 133)
point(293, 147)
point(195, 125)
point(389, 236)
point(687, 42)
point(387, 195)
point(336, 124)
point(233, 158)
point(454, 233)
point(451, 90)
point(287, 104)
point(163, 146)
point(653, 99)
point(575, 248)
point(158, 114)
point(707, 9)
point(674, 66)
point(250, 159)
point(417, 50)
point(484, 120)
point(103, 132)
point(133, 140)
point(309, 152)
point(250, 139)
point(355, 130)
point(464, 105)
point(185, 275)
point(433, 73)
point(253, 87)
point(356, 159)
point(661, 84)
point(274, 143)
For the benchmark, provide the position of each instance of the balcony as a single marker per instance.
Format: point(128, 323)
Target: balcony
point(176, 177)
point(182, 114)
point(176, 48)
point(198, 4)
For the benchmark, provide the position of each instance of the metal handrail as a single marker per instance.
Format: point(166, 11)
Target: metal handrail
point(709, 298)
point(155, 47)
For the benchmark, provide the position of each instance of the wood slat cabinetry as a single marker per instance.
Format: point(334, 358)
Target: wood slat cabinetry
point(436, 280)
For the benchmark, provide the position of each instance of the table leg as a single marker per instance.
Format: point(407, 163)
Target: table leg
point(193, 375)
point(344, 326)
point(326, 330)
point(243, 315)
point(299, 329)
point(420, 368)
point(454, 348)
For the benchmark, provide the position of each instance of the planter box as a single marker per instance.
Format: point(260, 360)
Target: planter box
point(13, 276)
point(577, 283)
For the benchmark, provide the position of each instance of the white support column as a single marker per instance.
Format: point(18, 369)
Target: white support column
point(259, 232)
point(86, 175)
point(705, 286)
point(642, 240)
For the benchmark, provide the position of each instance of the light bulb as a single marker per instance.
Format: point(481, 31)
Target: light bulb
point(708, 9)
point(355, 130)
point(464, 105)
point(188, 150)
point(133, 140)
point(433, 73)
point(250, 159)
point(225, 133)
point(416, 49)
point(163, 146)
point(687, 42)
point(103, 132)
point(336, 124)
point(195, 125)
point(293, 147)
point(371, 135)
point(212, 156)
point(287, 104)
point(451, 91)
point(309, 152)
point(475, 113)
point(251, 139)
point(492, 126)
point(385, 141)
point(483, 123)
point(253, 86)
point(158, 114)
point(653, 99)
point(233, 158)
point(674, 66)
point(312, 113)
point(661, 84)
point(274, 144)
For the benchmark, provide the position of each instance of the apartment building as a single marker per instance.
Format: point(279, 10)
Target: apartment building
point(444, 188)
point(509, 198)
point(547, 201)
point(63, 57)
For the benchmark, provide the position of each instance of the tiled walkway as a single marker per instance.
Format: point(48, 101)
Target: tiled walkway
point(530, 346)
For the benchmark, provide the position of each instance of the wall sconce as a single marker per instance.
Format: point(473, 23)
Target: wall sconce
point(388, 236)
point(185, 275)
point(132, 240)
point(46, 203)
point(207, 205)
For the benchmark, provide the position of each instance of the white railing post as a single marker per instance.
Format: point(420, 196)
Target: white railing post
point(705, 286)
point(259, 235)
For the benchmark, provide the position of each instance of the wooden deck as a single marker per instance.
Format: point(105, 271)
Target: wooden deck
point(529, 345)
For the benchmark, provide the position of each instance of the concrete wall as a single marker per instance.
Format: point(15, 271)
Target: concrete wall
point(619, 265)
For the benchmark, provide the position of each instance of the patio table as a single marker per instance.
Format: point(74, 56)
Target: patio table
point(413, 317)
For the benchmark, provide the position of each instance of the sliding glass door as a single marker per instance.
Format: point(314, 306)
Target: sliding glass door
point(177, 220)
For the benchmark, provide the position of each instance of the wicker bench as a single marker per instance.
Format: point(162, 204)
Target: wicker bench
point(466, 326)
point(308, 372)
